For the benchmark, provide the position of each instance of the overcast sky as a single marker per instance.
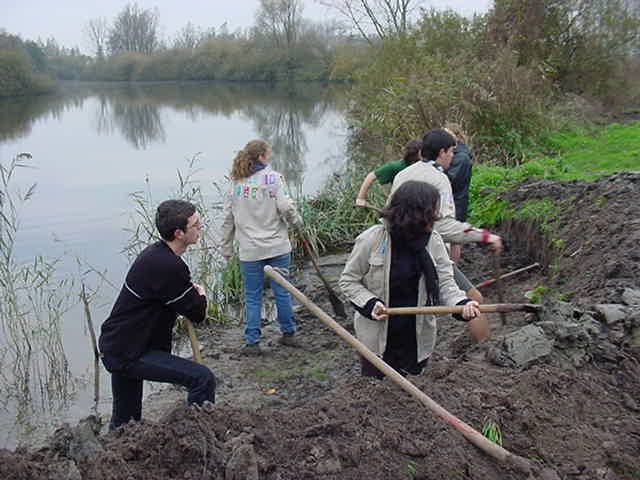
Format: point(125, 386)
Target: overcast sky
point(65, 19)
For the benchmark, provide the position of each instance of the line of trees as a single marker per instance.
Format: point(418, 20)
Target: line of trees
point(281, 45)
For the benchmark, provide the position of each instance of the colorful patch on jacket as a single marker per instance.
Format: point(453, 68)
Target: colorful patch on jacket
point(254, 187)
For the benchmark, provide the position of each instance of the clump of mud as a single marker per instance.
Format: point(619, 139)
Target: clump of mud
point(564, 386)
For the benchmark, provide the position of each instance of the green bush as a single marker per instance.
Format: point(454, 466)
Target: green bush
point(18, 78)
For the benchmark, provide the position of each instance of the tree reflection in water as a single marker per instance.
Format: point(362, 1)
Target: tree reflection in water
point(280, 113)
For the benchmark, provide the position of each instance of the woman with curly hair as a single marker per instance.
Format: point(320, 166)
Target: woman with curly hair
point(257, 212)
point(401, 263)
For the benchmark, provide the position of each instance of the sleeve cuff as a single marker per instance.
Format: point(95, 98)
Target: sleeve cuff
point(367, 308)
point(457, 316)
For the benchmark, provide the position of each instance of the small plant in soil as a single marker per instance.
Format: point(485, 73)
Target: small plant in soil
point(491, 430)
point(412, 470)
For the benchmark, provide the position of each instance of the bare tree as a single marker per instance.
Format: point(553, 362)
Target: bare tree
point(189, 37)
point(97, 30)
point(279, 20)
point(135, 30)
point(375, 18)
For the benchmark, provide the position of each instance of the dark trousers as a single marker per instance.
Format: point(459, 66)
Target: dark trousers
point(157, 366)
point(368, 369)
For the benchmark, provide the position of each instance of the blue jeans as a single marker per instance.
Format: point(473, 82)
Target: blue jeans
point(157, 366)
point(253, 279)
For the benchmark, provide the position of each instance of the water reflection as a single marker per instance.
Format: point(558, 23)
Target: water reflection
point(136, 118)
point(280, 115)
point(282, 123)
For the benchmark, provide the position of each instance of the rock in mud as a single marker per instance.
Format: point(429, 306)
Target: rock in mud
point(522, 347)
point(243, 464)
point(66, 470)
point(612, 313)
point(631, 296)
point(79, 443)
point(556, 311)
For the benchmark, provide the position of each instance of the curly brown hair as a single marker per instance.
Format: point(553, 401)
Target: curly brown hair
point(243, 164)
point(413, 208)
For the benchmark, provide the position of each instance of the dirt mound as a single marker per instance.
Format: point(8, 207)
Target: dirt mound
point(594, 236)
point(570, 404)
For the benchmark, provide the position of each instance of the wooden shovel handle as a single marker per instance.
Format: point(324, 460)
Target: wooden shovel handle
point(472, 435)
point(195, 346)
point(444, 310)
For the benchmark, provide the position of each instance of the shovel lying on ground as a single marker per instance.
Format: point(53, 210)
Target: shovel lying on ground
point(496, 451)
point(336, 303)
point(491, 281)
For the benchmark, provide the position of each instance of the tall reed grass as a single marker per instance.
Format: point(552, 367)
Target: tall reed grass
point(34, 371)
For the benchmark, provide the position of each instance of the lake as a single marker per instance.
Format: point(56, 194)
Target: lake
point(90, 148)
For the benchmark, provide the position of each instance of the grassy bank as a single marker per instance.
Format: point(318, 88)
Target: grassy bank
point(582, 155)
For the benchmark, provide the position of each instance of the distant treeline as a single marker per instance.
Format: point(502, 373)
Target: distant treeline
point(282, 45)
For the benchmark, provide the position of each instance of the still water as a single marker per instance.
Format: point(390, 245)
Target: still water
point(91, 147)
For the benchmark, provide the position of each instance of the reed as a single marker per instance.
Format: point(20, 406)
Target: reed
point(34, 371)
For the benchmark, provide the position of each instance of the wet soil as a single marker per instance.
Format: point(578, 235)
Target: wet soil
point(306, 413)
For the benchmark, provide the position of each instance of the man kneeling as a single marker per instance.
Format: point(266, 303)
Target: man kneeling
point(136, 338)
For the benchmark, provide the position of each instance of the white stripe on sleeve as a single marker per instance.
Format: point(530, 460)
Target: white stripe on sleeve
point(180, 296)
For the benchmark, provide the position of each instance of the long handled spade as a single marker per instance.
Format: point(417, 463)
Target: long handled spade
point(500, 308)
point(336, 303)
point(504, 276)
point(475, 437)
point(195, 346)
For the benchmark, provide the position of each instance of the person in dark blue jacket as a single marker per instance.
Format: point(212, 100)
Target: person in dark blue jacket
point(459, 174)
point(136, 338)
point(460, 171)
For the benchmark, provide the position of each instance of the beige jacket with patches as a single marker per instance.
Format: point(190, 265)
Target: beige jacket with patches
point(257, 212)
point(366, 275)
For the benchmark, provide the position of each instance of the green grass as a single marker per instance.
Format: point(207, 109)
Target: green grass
point(581, 155)
point(586, 157)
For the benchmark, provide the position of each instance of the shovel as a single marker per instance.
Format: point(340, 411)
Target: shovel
point(496, 451)
point(336, 303)
point(491, 281)
point(195, 346)
point(501, 308)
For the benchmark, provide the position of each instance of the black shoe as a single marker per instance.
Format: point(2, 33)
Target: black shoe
point(289, 340)
point(252, 350)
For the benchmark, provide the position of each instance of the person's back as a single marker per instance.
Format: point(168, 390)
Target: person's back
point(429, 173)
point(256, 212)
point(460, 170)
point(259, 203)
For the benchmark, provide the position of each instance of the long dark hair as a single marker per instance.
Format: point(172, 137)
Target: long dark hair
point(413, 208)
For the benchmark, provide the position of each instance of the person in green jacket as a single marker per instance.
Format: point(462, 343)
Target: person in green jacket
point(387, 172)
